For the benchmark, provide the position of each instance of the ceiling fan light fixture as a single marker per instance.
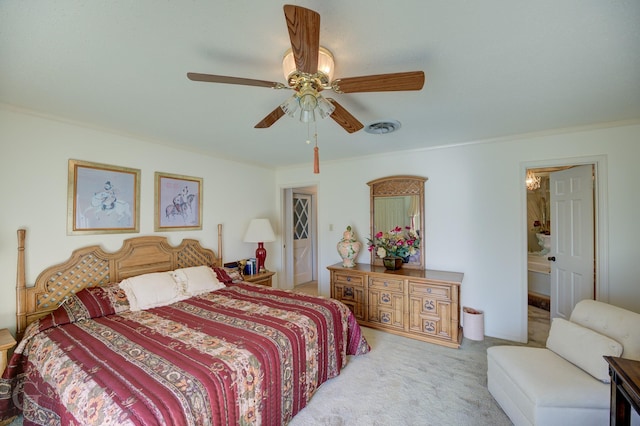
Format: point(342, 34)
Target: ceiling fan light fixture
point(290, 106)
point(326, 65)
point(308, 101)
point(307, 116)
point(288, 64)
point(325, 108)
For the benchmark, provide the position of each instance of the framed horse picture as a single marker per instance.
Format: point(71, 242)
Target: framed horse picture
point(178, 202)
point(102, 199)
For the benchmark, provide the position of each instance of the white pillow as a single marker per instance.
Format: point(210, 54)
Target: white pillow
point(583, 347)
point(197, 280)
point(152, 290)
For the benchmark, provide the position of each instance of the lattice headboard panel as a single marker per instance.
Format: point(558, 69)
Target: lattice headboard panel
point(91, 271)
point(92, 266)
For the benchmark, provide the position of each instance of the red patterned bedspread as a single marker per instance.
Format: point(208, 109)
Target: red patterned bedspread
point(245, 354)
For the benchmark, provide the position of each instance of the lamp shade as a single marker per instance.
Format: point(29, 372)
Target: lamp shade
point(259, 231)
point(326, 64)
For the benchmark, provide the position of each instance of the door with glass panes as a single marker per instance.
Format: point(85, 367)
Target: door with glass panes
point(302, 244)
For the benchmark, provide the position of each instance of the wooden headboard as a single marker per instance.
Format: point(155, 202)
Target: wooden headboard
point(92, 266)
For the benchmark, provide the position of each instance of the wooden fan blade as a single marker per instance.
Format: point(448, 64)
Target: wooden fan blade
point(413, 80)
point(270, 119)
point(344, 118)
point(304, 33)
point(210, 78)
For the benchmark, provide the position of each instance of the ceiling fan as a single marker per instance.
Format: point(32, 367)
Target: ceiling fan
point(309, 70)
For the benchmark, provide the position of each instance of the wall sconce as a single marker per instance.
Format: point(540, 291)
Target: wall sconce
point(260, 232)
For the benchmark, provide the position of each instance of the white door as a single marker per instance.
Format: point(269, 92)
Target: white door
point(572, 239)
point(302, 243)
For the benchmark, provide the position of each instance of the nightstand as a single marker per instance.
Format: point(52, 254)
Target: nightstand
point(262, 278)
point(6, 342)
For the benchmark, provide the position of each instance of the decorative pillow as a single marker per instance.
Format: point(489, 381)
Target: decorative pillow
point(197, 280)
point(222, 275)
point(152, 290)
point(583, 347)
point(90, 302)
point(228, 275)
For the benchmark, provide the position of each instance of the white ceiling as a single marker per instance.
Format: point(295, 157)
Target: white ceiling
point(493, 68)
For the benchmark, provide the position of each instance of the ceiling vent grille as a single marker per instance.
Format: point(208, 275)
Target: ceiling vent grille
point(382, 127)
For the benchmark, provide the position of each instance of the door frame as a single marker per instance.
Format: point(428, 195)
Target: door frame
point(286, 195)
point(601, 225)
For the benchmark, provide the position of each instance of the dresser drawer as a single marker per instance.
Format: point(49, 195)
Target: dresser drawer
point(348, 279)
point(345, 292)
point(431, 290)
point(386, 284)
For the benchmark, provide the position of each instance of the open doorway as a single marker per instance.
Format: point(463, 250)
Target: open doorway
point(551, 239)
point(300, 238)
point(539, 236)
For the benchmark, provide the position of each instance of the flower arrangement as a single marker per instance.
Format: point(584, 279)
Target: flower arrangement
point(397, 242)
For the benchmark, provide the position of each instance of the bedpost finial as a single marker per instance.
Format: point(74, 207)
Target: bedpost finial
point(21, 237)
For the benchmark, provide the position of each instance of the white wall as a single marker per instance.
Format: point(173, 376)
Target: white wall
point(475, 213)
point(33, 173)
point(475, 209)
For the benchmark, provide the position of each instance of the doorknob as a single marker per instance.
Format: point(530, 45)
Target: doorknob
point(551, 258)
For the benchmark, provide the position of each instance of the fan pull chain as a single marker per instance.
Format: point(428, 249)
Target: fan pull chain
point(316, 160)
point(316, 157)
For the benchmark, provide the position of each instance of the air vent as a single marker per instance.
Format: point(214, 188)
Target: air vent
point(382, 127)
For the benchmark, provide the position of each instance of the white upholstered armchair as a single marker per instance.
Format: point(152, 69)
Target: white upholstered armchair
point(566, 383)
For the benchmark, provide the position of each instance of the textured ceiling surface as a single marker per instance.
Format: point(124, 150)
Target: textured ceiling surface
point(493, 68)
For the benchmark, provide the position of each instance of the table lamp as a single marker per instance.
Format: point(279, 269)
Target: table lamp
point(260, 232)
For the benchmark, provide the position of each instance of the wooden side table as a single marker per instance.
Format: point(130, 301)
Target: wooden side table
point(625, 389)
point(6, 342)
point(262, 278)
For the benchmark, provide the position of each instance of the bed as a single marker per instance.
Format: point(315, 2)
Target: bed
point(106, 338)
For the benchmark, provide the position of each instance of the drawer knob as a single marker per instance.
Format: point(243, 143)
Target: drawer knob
point(348, 279)
point(386, 284)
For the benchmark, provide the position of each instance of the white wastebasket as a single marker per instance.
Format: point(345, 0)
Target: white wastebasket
point(473, 323)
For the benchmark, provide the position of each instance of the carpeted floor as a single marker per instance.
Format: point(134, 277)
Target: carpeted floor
point(407, 382)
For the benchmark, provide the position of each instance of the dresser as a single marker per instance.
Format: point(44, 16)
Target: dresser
point(415, 303)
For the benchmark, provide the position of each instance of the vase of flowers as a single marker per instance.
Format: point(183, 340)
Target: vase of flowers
point(348, 248)
point(392, 263)
point(396, 243)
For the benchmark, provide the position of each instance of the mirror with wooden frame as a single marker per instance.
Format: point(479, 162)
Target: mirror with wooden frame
point(398, 201)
